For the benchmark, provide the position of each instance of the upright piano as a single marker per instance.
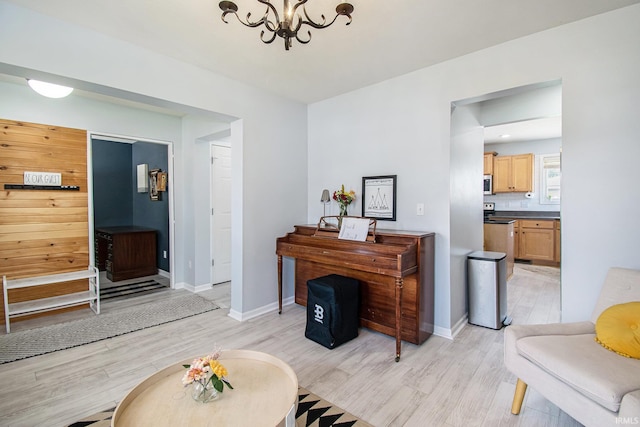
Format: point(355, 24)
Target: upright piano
point(395, 270)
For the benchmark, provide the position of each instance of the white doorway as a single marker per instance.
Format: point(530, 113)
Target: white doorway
point(220, 212)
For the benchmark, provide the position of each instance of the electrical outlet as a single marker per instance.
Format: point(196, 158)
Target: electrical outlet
point(420, 209)
point(189, 263)
point(164, 254)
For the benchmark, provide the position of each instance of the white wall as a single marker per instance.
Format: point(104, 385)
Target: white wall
point(401, 126)
point(19, 102)
point(525, 103)
point(467, 168)
point(272, 151)
point(197, 216)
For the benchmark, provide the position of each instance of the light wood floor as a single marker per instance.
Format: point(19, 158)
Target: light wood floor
point(440, 383)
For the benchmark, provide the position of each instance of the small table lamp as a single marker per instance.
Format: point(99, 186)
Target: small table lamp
point(326, 198)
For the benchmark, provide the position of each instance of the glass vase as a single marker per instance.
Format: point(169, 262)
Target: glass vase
point(343, 212)
point(204, 393)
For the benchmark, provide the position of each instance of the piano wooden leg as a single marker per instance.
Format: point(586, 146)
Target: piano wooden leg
point(279, 284)
point(399, 283)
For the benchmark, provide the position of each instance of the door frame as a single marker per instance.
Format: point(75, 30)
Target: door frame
point(170, 190)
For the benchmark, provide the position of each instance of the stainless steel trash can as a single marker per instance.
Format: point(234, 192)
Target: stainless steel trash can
point(487, 288)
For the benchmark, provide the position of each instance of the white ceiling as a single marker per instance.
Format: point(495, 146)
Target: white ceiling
point(527, 130)
point(386, 38)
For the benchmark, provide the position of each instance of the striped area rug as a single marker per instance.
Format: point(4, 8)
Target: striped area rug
point(33, 342)
point(313, 411)
point(115, 291)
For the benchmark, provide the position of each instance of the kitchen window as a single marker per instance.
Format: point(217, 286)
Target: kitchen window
point(550, 177)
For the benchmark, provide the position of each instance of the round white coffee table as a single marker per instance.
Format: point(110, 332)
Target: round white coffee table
point(265, 394)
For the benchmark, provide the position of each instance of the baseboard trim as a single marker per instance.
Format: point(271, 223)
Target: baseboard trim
point(193, 288)
point(242, 316)
point(459, 326)
point(453, 332)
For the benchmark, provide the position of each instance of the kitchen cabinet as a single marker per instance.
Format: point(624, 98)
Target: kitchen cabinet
point(513, 173)
point(516, 239)
point(537, 240)
point(499, 237)
point(557, 241)
point(488, 162)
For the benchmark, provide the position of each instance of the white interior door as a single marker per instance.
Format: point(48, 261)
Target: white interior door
point(221, 214)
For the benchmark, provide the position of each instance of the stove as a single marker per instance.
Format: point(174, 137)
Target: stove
point(489, 209)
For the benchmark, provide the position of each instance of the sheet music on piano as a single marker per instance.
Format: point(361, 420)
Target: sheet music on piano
point(354, 229)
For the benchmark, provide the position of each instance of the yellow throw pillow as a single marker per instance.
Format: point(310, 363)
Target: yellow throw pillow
point(618, 329)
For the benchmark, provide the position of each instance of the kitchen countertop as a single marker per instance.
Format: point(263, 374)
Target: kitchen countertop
point(525, 215)
point(499, 221)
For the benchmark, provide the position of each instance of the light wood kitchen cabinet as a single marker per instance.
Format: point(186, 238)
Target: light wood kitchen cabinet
point(537, 240)
point(500, 238)
point(488, 162)
point(557, 241)
point(516, 239)
point(513, 173)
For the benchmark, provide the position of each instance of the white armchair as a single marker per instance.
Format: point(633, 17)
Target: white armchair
point(565, 364)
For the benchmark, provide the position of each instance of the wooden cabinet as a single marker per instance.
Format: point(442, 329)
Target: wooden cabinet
point(488, 162)
point(500, 238)
point(126, 252)
point(516, 239)
point(557, 241)
point(513, 173)
point(537, 240)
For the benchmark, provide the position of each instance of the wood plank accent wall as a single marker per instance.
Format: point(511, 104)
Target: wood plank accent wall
point(43, 231)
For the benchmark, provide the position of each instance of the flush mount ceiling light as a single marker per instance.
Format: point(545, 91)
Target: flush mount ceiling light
point(49, 90)
point(292, 21)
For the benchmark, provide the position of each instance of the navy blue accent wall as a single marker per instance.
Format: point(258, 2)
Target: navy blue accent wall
point(112, 181)
point(148, 213)
point(116, 200)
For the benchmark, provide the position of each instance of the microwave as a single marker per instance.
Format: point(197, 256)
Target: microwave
point(488, 184)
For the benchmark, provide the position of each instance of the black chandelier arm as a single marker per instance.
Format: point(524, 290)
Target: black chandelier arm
point(343, 9)
point(273, 37)
point(297, 5)
point(229, 7)
point(270, 7)
point(304, 41)
point(248, 22)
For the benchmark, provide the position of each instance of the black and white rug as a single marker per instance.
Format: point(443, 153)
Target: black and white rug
point(33, 342)
point(313, 411)
point(137, 288)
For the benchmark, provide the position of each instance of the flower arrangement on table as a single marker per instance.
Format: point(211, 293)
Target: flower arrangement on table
point(344, 199)
point(208, 377)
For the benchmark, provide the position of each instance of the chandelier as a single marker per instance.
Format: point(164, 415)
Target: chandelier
point(292, 21)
